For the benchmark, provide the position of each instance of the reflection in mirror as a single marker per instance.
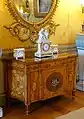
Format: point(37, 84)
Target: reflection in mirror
point(33, 10)
point(44, 5)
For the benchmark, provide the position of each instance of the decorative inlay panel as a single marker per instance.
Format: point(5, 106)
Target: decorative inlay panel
point(54, 81)
point(53, 64)
point(18, 84)
point(34, 67)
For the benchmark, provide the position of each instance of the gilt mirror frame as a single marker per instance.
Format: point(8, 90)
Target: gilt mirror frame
point(26, 30)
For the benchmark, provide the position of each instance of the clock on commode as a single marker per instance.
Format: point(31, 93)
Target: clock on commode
point(44, 44)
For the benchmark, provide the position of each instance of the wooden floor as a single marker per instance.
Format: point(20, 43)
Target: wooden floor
point(49, 109)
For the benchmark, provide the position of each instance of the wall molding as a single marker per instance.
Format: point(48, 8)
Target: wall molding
point(61, 49)
point(67, 48)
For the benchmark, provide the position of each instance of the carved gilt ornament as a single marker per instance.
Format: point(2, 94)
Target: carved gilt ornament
point(30, 18)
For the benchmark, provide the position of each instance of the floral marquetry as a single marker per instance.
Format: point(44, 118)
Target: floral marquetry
point(18, 84)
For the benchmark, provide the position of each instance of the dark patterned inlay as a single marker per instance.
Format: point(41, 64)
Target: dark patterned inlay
point(54, 81)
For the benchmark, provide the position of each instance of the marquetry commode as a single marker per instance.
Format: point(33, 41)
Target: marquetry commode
point(34, 79)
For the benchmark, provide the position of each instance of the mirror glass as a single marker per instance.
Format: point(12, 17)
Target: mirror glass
point(33, 10)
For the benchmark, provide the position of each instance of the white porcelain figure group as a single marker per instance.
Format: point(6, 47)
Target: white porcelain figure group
point(44, 48)
point(43, 35)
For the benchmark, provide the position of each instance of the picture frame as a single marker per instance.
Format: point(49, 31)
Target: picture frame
point(42, 7)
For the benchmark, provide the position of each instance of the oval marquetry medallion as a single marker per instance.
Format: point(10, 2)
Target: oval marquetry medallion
point(54, 81)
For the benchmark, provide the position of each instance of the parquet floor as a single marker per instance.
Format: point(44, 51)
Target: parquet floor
point(49, 109)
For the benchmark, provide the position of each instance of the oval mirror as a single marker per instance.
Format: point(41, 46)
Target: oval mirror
point(33, 10)
point(31, 16)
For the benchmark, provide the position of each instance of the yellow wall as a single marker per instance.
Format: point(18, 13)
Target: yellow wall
point(68, 15)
